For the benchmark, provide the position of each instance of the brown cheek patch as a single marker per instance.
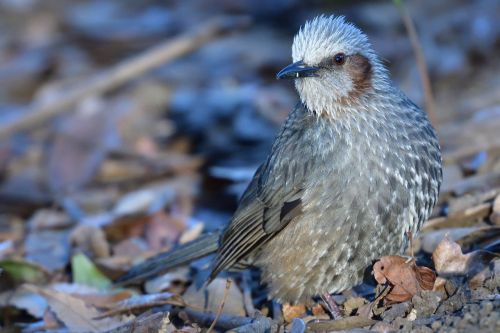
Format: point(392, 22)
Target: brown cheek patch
point(360, 70)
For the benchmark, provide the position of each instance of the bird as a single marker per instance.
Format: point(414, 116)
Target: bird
point(354, 169)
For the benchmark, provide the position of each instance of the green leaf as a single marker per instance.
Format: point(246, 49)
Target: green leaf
point(85, 272)
point(24, 271)
point(398, 3)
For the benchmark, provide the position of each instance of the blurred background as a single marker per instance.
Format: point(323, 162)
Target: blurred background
point(131, 167)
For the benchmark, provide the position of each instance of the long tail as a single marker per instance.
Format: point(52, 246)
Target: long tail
point(183, 254)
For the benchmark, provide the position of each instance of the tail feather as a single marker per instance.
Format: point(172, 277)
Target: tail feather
point(200, 247)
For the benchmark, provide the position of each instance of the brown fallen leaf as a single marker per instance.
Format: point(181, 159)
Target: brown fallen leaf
point(173, 281)
point(49, 219)
point(450, 261)
point(293, 311)
point(405, 276)
point(495, 215)
point(163, 230)
point(103, 299)
point(91, 240)
point(75, 314)
point(115, 266)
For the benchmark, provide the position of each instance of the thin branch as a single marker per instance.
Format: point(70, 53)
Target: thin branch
point(423, 69)
point(221, 306)
point(205, 319)
point(125, 71)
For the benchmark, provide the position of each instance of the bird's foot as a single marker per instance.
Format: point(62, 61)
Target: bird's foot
point(332, 306)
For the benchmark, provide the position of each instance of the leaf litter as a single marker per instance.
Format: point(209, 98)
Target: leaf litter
point(139, 166)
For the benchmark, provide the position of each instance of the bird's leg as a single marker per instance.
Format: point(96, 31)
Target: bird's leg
point(331, 306)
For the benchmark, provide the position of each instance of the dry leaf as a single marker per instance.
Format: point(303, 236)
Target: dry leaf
point(103, 299)
point(293, 311)
point(132, 247)
point(75, 314)
point(115, 266)
point(48, 248)
point(29, 301)
point(91, 240)
point(405, 276)
point(495, 215)
point(49, 219)
point(450, 261)
point(425, 277)
point(171, 281)
point(163, 230)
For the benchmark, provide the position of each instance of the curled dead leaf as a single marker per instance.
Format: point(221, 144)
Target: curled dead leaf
point(405, 277)
point(76, 315)
point(450, 261)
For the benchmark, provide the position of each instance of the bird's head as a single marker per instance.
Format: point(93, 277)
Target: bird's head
point(333, 65)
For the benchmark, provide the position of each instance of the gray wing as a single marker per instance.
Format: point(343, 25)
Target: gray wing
point(270, 202)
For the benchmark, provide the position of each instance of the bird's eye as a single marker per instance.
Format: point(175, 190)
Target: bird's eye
point(339, 58)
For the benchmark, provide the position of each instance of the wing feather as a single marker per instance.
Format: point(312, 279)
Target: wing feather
point(268, 204)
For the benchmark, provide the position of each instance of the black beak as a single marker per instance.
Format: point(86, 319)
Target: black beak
point(296, 70)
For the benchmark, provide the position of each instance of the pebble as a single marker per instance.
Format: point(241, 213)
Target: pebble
point(396, 310)
point(436, 325)
point(426, 303)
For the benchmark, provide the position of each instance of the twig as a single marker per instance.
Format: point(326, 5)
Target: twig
point(125, 71)
point(430, 104)
point(155, 322)
point(204, 319)
point(226, 323)
point(410, 238)
point(221, 306)
point(331, 306)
